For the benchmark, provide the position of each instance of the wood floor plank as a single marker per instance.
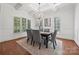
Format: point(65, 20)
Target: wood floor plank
point(12, 48)
point(0, 48)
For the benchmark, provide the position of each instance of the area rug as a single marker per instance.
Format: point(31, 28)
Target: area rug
point(34, 50)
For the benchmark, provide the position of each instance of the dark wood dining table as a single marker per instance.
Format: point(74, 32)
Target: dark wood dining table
point(45, 34)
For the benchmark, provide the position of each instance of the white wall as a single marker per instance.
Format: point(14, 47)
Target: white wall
point(66, 15)
point(0, 23)
point(7, 14)
point(76, 37)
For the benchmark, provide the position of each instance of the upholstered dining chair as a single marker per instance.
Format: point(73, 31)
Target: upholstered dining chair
point(29, 35)
point(37, 38)
point(53, 38)
point(46, 30)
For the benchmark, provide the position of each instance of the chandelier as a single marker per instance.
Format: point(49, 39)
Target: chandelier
point(39, 12)
point(39, 18)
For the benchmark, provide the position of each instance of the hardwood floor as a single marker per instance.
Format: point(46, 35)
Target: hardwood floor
point(12, 48)
point(70, 47)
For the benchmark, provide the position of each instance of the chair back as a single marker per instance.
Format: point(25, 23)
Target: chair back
point(46, 30)
point(36, 35)
point(29, 33)
point(53, 35)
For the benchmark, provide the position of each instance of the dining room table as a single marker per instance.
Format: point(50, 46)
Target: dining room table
point(46, 35)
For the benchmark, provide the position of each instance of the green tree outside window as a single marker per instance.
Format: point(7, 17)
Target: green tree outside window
point(16, 24)
point(19, 24)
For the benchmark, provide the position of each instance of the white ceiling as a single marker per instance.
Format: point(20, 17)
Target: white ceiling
point(43, 6)
point(33, 8)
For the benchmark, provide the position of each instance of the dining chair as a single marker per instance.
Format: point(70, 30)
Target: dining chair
point(46, 30)
point(37, 38)
point(29, 35)
point(53, 38)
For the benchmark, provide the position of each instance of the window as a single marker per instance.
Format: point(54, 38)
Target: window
point(23, 24)
point(19, 24)
point(47, 22)
point(16, 24)
point(29, 24)
point(57, 23)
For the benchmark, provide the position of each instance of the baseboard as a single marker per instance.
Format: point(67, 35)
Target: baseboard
point(13, 39)
point(63, 38)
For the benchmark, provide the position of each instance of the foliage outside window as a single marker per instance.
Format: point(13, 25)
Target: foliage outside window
point(19, 24)
point(16, 24)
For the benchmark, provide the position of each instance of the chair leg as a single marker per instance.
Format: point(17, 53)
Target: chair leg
point(39, 45)
point(44, 42)
point(55, 42)
point(27, 40)
point(33, 43)
point(53, 45)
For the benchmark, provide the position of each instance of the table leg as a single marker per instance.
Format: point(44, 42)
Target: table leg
point(46, 42)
